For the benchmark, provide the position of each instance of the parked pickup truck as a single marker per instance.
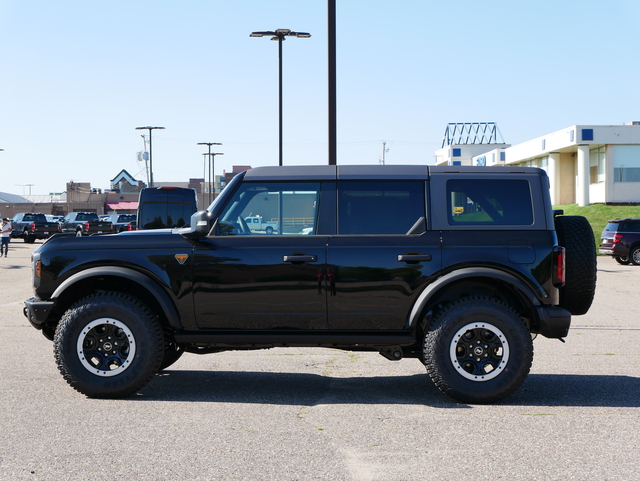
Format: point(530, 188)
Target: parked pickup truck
point(257, 224)
point(85, 223)
point(31, 226)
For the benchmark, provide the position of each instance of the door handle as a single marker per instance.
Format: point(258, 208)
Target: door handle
point(415, 258)
point(299, 258)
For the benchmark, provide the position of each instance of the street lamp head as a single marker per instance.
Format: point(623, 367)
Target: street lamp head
point(261, 34)
point(280, 34)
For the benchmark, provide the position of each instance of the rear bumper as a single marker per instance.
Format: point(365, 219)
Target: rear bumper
point(617, 251)
point(554, 321)
point(37, 311)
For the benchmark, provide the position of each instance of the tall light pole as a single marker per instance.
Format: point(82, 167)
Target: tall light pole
point(150, 151)
point(210, 163)
point(333, 128)
point(279, 36)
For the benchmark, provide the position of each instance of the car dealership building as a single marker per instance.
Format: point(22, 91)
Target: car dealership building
point(586, 164)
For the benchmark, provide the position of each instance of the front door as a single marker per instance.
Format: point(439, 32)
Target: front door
point(248, 279)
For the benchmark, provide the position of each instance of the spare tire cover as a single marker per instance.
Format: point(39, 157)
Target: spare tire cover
point(576, 236)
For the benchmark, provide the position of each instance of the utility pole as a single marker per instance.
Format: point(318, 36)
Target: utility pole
point(384, 151)
point(211, 156)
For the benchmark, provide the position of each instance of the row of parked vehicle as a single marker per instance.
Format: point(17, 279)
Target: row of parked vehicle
point(159, 208)
point(36, 225)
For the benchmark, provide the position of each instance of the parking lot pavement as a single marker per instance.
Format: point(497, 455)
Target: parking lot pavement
point(307, 414)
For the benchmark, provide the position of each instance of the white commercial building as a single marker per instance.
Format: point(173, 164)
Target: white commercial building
point(585, 163)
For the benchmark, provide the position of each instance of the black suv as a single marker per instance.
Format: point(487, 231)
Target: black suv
point(458, 267)
point(621, 239)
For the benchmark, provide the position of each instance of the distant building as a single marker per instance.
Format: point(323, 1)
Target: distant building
point(124, 183)
point(585, 163)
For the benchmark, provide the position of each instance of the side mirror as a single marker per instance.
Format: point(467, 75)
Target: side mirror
point(201, 223)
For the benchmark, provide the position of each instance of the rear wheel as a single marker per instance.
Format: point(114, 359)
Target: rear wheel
point(634, 256)
point(478, 350)
point(622, 260)
point(108, 345)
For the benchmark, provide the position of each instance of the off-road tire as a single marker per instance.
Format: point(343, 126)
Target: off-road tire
point(501, 338)
point(576, 236)
point(108, 345)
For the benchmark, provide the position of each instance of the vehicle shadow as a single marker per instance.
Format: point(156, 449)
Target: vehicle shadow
point(312, 389)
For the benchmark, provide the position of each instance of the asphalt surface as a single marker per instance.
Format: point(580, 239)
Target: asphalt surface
point(319, 414)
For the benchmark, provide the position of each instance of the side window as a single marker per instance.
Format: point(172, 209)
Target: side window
point(271, 209)
point(489, 201)
point(383, 208)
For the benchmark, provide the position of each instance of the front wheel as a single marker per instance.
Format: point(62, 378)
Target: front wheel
point(624, 260)
point(108, 345)
point(478, 350)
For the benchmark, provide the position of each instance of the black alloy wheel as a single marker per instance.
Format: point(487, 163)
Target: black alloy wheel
point(478, 350)
point(108, 345)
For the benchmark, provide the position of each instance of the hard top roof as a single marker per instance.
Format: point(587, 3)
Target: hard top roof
point(372, 172)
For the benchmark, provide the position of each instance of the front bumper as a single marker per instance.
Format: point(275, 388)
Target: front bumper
point(37, 311)
point(554, 321)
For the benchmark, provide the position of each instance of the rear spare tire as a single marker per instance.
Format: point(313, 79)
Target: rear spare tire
point(576, 236)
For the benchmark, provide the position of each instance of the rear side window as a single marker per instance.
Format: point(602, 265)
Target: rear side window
point(489, 202)
point(382, 208)
point(628, 226)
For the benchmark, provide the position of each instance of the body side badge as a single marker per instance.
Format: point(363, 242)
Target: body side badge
point(182, 258)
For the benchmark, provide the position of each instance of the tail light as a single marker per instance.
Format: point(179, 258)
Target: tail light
point(559, 266)
point(617, 238)
point(33, 227)
point(86, 226)
point(59, 228)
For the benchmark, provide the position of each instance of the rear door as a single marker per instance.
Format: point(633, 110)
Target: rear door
point(382, 256)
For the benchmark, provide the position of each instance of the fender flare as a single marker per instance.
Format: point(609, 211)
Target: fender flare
point(466, 273)
point(153, 287)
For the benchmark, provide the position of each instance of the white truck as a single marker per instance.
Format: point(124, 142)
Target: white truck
point(257, 224)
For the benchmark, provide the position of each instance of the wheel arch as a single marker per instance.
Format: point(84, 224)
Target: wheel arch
point(472, 281)
point(117, 279)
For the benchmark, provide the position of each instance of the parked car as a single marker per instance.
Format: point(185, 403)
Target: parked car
point(33, 225)
point(121, 222)
point(368, 258)
point(85, 223)
point(166, 207)
point(621, 239)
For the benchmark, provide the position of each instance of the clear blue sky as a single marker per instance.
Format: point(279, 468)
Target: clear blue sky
point(76, 78)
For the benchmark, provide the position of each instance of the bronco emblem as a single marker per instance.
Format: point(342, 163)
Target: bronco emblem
point(181, 258)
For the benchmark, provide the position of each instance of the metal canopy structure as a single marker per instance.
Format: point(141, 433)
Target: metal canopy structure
point(474, 133)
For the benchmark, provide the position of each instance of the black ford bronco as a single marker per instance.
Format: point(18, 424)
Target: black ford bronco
point(458, 267)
